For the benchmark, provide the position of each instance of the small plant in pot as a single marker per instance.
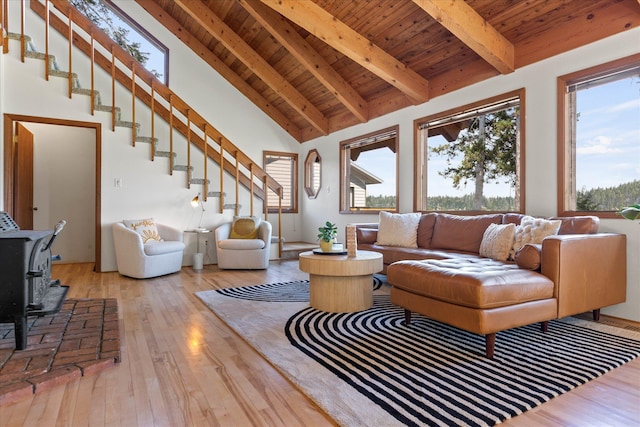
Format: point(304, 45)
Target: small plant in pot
point(327, 235)
point(630, 212)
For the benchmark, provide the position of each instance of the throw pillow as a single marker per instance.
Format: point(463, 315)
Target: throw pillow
point(461, 232)
point(528, 257)
point(533, 230)
point(398, 229)
point(244, 227)
point(497, 241)
point(146, 228)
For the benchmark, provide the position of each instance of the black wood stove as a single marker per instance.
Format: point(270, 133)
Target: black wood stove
point(26, 288)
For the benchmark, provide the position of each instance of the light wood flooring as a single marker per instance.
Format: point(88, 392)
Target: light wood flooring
point(182, 366)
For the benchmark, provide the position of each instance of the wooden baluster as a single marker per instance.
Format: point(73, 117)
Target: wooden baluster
point(46, 40)
point(279, 222)
point(70, 37)
point(265, 186)
point(153, 121)
point(4, 21)
point(170, 134)
point(188, 148)
point(113, 89)
point(221, 174)
point(251, 187)
point(93, 77)
point(22, 30)
point(237, 181)
point(134, 131)
point(206, 144)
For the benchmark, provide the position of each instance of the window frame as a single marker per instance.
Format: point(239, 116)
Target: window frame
point(146, 34)
point(345, 205)
point(418, 152)
point(565, 145)
point(312, 160)
point(294, 181)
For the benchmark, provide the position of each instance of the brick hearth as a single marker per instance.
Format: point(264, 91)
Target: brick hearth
point(80, 340)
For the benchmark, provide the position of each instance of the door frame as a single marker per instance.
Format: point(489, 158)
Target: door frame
point(9, 159)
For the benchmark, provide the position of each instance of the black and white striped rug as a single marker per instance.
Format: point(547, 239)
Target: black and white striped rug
point(367, 368)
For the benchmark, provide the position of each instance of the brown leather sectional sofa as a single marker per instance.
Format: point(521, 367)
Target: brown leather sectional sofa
point(445, 278)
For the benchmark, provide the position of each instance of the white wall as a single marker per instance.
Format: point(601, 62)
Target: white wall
point(539, 81)
point(64, 187)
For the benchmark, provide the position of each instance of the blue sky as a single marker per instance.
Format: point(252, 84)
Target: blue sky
point(608, 134)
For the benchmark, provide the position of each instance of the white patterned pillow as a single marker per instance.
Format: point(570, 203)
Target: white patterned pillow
point(497, 241)
point(533, 230)
point(398, 229)
point(146, 228)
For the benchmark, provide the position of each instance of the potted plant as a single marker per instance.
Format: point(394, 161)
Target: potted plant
point(327, 235)
point(630, 212)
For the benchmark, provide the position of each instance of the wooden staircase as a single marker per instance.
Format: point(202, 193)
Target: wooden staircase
point(203, 141)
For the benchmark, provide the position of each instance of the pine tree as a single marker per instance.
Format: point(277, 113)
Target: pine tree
point(488, 147)
point(103, 17)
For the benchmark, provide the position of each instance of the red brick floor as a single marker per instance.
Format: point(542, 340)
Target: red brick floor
point(80, 340)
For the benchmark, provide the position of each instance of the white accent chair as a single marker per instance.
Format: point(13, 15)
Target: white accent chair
point(243, 254)
point(141, 261)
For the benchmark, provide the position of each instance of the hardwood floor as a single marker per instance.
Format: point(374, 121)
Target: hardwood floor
point(182, 366)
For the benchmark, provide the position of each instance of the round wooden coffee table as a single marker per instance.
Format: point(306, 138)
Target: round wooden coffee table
point(339, 283)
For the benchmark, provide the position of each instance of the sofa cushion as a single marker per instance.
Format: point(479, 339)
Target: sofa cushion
point(497, 241)
point(425, 229)
point(242, 244)
point(393, 254)
point(398, 229)
point(585, 224)
point(512, 218)
point(154, 247)
point(471, 282)
point(461, 233)
point(366, 235)
point(528, 257)
point(533, 230)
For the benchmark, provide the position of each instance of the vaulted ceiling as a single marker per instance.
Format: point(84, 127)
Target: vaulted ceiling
point(318, 66)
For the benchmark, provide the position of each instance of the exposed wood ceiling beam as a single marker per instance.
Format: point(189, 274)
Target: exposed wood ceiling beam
point(280, 28)
point(471, 28)
point(258, 65)
point(342, 38)
point(202, 51)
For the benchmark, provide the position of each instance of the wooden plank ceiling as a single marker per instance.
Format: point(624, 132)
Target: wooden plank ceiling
point(318, 66)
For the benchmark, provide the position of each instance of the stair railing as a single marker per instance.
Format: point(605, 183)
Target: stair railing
point(175, 104)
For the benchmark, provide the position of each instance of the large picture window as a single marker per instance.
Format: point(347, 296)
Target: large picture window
point(369, 172)
point(599, 138)
point(470, 158)
point(283, 167)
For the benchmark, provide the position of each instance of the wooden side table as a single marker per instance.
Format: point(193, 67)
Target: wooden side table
point(341, 284)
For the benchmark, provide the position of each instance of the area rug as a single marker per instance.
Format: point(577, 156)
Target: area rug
point(368, 368)
point(80, 340)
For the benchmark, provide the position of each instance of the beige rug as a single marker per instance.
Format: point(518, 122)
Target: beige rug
point(368, 369)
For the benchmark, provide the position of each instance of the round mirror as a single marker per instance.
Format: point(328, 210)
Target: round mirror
point(312, 174)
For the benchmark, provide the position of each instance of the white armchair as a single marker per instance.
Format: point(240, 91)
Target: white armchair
point(243, 254)
point(138, 260)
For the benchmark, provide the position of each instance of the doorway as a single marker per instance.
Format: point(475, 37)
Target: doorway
point(60, 157)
